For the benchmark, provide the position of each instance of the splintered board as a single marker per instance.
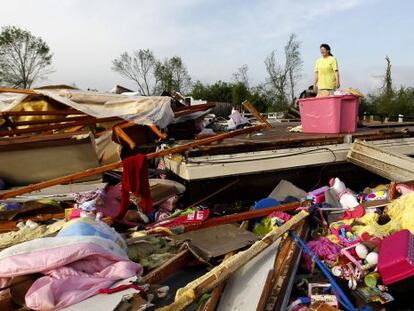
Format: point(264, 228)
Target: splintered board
point(244, 289)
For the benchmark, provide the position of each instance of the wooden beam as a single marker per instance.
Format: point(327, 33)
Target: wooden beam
point(229, 219)
point(51, 121)
point(41, 113)
point(112, 166)
point(40, 128)
point(248, 105)
point(120, 133)
point(18, 91)
point(157, 131)
point(163, 272)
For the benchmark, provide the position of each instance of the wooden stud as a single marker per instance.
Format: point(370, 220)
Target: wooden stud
point(248, 105)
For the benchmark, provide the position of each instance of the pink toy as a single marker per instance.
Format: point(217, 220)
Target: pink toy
point(396, 257)
point(318, 195)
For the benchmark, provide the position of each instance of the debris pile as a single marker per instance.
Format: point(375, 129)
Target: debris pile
point(92, 218)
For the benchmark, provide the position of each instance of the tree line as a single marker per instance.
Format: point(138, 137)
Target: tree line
point(26, 59)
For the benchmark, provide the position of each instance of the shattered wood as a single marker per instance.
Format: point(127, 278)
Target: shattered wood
point(109, 167)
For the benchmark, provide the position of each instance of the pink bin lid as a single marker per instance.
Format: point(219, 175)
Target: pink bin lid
point(396, 257)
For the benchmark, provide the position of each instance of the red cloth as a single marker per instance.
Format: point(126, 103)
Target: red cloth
point(135, 180)
point(355, 213)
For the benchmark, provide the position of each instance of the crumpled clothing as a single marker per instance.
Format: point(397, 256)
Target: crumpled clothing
point(135, 181)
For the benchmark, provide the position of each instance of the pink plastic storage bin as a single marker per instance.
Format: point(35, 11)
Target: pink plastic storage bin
point(396, 257)
point(330, 114)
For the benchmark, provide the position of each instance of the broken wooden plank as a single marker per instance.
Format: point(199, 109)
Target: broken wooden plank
point(286, 264)
point(185, 296)
point(157, 131)
point(228, 219)
point(163, 272)
point(390, 165)
point(17, 91)
point(248, 105)
point(112, 166)
point(62, 125)
point(54, 120)
point(41, 113)
point(120, 133)
point(212, 302)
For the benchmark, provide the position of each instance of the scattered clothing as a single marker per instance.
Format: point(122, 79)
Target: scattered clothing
point(135, 180)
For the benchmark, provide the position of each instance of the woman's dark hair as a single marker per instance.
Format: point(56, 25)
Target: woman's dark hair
point(326, 46)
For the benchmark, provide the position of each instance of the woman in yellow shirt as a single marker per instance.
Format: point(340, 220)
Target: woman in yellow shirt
point(326, 72)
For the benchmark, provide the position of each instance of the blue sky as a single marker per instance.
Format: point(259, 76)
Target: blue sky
point(214, 37)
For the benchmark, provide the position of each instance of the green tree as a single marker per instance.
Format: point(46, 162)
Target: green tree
point(387, 83)
point(173, 75)
point(24, 58)
point(233, 93)
point(219, 91)
point(139, 67)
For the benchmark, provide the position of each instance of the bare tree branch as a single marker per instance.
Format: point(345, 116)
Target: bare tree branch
point(24, 58)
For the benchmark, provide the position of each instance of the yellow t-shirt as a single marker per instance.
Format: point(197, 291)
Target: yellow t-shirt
point(326, 67)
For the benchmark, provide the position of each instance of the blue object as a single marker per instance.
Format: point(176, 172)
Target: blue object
point(265, 203)
point(12, 206)
point(340, 295)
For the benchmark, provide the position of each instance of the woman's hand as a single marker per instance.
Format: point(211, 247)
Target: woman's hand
point(337, 84)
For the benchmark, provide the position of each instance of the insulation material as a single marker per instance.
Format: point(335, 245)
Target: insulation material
point(138, 109)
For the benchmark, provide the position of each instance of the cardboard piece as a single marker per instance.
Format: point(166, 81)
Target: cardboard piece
point(285, 189)
point(217, 241)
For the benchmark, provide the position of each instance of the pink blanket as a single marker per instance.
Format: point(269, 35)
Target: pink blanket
point(75, 268)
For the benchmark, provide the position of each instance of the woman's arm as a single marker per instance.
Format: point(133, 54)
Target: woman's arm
point(338, 84)
point(315, 80)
